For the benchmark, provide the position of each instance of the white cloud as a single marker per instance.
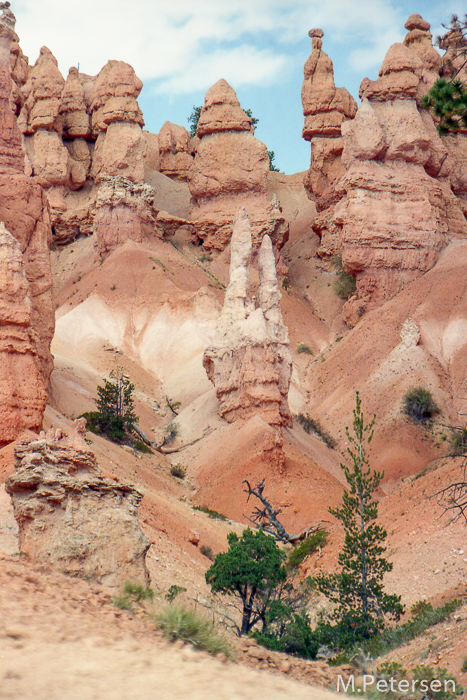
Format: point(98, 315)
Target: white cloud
point(240, 66)
point(186, 44)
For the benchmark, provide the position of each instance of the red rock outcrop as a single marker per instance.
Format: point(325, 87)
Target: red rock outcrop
point(454, 168)
point(249, 360)
point(19, 66)
point(71, 517)
point(230, 169)
point(22, 392)
point(126, 211)
point(176, 151)
point(398, 210)
point(27, 332)
point(117, 122)
point(325, 108)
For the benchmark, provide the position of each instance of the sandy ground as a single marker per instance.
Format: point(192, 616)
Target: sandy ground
point(60, 639)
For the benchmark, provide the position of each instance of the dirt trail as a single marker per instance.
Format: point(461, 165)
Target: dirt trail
point(60, 639)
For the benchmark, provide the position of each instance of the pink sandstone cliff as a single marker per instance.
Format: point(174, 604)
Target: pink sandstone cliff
point(26, 304)
point(399, 209)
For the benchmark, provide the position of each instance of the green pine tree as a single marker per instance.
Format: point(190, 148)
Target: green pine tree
point(357, 590)
point(447, 98)
point(115, 415)
point(250, 570)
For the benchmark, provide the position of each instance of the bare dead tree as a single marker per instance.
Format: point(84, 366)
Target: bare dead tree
point(266, 517)
point(168, 450)
point(453, 498)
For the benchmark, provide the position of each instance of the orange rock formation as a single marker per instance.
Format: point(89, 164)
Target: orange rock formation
point(26, 304)
point(230, 169)
point(325, 108)
point(398, 209)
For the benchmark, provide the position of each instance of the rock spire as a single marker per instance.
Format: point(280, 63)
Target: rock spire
point(231, 169)
point(325, 109)
point(249, 360)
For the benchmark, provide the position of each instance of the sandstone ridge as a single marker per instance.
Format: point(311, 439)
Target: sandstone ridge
point(70, 517)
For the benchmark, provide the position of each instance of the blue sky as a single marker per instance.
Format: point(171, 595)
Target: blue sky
point(179, 48)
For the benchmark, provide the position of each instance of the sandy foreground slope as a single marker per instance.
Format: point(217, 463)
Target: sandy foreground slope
point(60, 639)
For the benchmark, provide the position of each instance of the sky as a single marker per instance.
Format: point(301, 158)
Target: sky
point(179, 48)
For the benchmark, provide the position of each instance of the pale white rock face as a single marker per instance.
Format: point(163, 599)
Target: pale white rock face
point(72, 518)
point(249, 360)
point(410, 333)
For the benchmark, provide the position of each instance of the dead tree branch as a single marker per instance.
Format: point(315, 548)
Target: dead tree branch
point(167, 450)
point(266, 517)
point(454, 497)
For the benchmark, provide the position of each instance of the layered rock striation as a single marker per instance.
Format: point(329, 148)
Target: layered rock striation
point(26, 303)
point(176, 151)
point(230, 169)
point(23, 395)
point(325, 109)
point(398, 208)
point(70, 517)
point(249, 360)
point(126, 211)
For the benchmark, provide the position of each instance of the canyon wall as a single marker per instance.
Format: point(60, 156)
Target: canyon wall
point(26, 304)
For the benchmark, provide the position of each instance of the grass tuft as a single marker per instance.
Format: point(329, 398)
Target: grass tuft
point(307, 547)
point(310, 425)
point(178, 622)
point(304, 348)
point(210, 513)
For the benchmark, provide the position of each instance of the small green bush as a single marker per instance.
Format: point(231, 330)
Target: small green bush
point(419, 405)
point(310, 425)
point(307, 547)
point(394, 637)
point(464, 665)
point(138, 591)
point(297, 638)
point(178, 622)
point(207, 551)
point(459, 441)
point(174, 591)
point(177, 471)
point(303, 348)
point(171, 433)
point(429, 674)
point(344, 285)
point(286, 284)
point(142, 447)
point(210, 513)
point(123, 602)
